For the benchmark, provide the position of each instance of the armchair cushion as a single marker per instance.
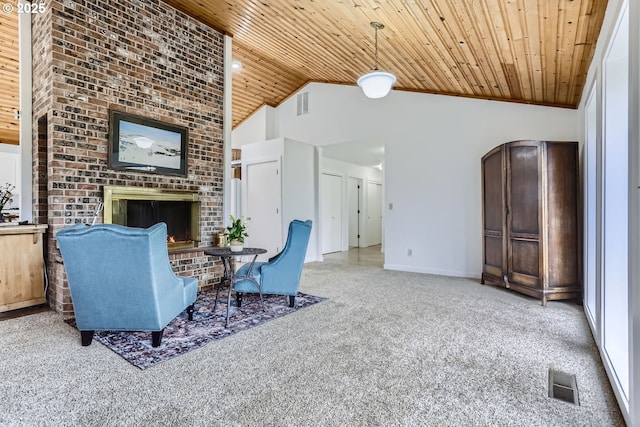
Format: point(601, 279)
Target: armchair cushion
point(281, 275)
point(120, 277)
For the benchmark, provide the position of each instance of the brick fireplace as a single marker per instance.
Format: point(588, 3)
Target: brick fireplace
point(141, 57)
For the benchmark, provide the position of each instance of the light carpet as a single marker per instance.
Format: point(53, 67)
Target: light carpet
point(386, 348)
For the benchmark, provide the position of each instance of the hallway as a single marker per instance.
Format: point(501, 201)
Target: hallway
point(370, 256)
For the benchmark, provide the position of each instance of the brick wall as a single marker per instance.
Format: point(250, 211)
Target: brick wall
point(142, 57)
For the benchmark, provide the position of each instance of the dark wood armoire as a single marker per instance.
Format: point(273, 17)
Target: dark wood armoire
point(530, 216)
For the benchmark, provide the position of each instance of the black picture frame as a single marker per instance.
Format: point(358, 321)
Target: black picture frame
point(140, 144)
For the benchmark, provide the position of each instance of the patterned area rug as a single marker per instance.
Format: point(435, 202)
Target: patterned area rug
point(181, 335)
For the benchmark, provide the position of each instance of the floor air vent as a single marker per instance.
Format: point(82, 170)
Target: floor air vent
point(563, 387)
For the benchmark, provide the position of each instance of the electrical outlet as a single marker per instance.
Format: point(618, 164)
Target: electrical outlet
point(409, 252)
point(390, 206)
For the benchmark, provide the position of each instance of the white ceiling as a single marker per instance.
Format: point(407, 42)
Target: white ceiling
point(361, 152)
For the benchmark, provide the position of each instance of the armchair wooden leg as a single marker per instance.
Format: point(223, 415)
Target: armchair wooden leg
point(292, 300)
point(190, 311)
point(156, 338)
point(86, 337)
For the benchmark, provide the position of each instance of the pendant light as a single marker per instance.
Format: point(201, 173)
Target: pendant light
point(376, 83)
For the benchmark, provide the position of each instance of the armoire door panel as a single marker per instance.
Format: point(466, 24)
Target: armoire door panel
point(493, 192)
point(523, 189)
point(493, 271)
point(531, 282)
point(493, 252)
point(562, 181)
point(525, 258)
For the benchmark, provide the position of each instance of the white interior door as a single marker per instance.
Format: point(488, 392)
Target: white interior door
point(263, 206)
point(331, 213)
point(374, 213)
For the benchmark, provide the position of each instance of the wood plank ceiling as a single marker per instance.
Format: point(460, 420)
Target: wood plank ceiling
point(9, 95)
point(528, 51)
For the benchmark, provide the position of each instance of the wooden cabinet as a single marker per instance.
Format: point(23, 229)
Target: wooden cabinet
point(531, 239)
point(21, 266)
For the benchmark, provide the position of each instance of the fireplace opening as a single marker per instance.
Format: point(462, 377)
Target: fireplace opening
point(177, 216)
point(144, 207)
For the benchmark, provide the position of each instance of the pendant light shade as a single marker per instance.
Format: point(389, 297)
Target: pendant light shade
point(376, 83)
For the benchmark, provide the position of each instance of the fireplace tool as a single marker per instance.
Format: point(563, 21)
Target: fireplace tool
point(99, 208)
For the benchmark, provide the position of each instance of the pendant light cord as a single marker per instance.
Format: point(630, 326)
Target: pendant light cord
point(376, 43)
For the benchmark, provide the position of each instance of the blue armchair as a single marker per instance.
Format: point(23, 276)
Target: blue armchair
point(281, 274)
point(121, 280)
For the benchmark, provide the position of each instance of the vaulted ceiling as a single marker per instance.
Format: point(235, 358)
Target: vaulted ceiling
point(529, 51)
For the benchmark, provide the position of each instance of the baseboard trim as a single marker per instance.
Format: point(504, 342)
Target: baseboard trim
point(438, 272)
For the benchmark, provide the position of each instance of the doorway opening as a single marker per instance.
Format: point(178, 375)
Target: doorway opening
point(371, 256)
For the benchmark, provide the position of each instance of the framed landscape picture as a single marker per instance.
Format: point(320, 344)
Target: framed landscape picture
point(140, 144)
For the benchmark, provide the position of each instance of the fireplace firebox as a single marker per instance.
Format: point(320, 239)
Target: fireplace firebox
point(144, 207)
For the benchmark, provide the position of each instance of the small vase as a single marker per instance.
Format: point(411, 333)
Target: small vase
point(236, 246)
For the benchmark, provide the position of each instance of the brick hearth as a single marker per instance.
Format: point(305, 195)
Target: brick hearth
point(142, 57)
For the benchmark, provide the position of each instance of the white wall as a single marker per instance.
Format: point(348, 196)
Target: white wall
point(260, 126)
point(299, 187)
point(433, 147)
point(299, 190)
